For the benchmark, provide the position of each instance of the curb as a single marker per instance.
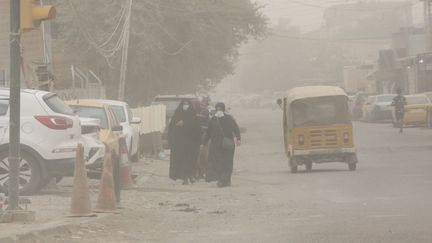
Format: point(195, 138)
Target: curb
point(50, 228)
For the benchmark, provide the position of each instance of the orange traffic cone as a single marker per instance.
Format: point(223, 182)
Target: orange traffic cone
point(126, 181)
point(80, 204)
point(106, 201)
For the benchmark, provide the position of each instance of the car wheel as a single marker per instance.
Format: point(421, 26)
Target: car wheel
point(293, 165)
point(352, 167)
point(369, 117)
point(30, 176)
point(372, 117)
point(133, 157)
point(309, 166)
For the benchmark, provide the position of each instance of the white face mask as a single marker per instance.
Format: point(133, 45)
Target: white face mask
point(219, 114)
point(185, 107)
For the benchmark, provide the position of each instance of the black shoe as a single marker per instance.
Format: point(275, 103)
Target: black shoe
point(223, 184)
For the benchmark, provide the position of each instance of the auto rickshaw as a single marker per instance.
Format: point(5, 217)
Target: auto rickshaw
point(317, 127)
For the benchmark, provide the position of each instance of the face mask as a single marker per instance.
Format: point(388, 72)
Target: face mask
point(219, 114)
point(185, 107)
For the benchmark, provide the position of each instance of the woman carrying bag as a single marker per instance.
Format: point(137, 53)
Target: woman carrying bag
point(223, 134)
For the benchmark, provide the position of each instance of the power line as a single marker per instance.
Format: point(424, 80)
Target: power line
point(104, 48)
point(311, 5)
point(332, 40)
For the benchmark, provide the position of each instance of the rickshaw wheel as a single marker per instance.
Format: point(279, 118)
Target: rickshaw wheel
point(352, 162)
point(294, 169)
point(352, 166)
point(293, 165)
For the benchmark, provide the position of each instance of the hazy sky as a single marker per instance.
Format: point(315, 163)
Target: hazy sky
point(308, 14)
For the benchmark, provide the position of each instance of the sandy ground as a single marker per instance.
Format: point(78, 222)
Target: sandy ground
point(386, 200)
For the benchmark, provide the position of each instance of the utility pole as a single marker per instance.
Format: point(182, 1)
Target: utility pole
point(427, 24)
point(125, 52)
point(15, 99)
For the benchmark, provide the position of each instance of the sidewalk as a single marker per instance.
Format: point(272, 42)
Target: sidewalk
point(52, 207)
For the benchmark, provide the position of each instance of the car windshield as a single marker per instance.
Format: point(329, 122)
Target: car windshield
point(417, 100)
point(119, 113)
point(93, 112)
point(385, 98)
point(320, 111)
point(57, 105)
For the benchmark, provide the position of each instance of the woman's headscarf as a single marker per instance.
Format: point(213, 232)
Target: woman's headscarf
point(220, 105)
point(191, 126)
point(181, 114)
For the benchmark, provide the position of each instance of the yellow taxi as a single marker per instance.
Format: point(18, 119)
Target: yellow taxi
point(317, 127)
point(416, 109)
point(110, 129)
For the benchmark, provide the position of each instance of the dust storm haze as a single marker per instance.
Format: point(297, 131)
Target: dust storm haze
point(215, 121)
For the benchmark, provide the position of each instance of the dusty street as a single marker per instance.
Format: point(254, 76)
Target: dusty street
point(388, 199)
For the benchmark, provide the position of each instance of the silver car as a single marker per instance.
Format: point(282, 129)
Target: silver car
point(378, 108)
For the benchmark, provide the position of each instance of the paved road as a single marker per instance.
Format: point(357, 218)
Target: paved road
point(388, 199)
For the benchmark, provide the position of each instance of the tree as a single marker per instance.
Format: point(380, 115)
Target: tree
point(175, 46)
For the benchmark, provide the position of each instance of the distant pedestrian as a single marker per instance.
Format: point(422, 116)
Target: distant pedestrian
point(399, 102)
point(221, 133)
point(184, 138)
point(203, 114)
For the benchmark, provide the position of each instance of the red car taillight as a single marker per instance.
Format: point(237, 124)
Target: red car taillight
point(301, 140)
point(346, 137)
point(89, 129)
point(55, 122)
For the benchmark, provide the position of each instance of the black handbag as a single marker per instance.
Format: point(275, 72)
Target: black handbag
point(227, 142)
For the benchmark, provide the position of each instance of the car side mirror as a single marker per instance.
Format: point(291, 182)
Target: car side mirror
point(136, 120)
point(117, 129)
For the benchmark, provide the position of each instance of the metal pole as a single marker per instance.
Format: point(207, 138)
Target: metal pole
point(125, 52)
point(15, 96)
point(116, 178)
point(427, 24)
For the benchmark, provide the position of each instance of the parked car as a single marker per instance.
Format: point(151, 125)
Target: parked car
point(429, 95)
point(94, 149)
point(110, 128)
point(378, 108)
point(50, 132)
point(415, 110)
point(130, 126)
point(171, 102)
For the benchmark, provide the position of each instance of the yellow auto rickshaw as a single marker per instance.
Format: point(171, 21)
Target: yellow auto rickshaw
point(317, 127)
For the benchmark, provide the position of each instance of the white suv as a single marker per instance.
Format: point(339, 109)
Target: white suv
point(50, 133)
point(130, 126)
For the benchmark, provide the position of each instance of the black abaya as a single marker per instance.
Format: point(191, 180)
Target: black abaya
point(220, 162)
point(184, 142)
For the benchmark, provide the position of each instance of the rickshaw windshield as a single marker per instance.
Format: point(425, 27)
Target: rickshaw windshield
point(320, 111)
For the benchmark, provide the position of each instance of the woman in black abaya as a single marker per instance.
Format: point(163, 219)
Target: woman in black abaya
point(184, 137)
point(220, 161)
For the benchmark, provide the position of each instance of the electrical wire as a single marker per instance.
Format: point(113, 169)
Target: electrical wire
point(331, 40)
